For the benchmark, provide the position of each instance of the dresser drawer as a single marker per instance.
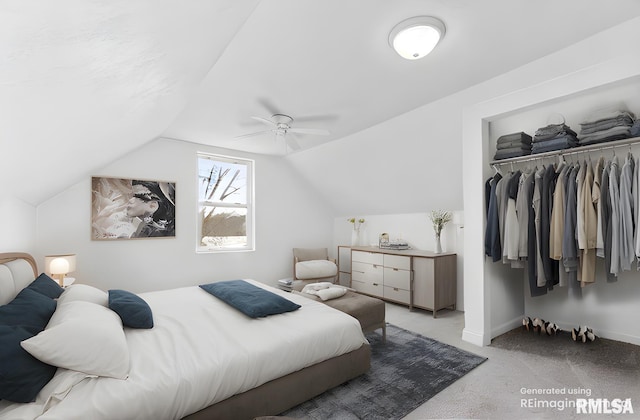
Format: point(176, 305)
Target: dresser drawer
point(394, 277)
point(367, 288)
point(397, 261)
point(397, 294)
point(367, 273)
point(367, 268)
point(367, 257)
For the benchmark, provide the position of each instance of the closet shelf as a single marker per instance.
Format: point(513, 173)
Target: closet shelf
point(574, 150)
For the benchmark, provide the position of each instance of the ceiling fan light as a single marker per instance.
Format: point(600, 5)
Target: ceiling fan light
point(416, 37)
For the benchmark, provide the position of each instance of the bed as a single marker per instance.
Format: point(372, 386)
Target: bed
point(202, 358)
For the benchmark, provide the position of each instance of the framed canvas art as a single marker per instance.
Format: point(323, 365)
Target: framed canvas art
point(132, 209)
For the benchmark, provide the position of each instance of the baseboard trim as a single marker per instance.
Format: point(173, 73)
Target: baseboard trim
point(475, 338)
point(610, 335)
point(506, 327)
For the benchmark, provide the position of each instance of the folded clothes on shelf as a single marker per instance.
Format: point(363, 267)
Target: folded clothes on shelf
point(607, 124)
point(552, 131)
point(562, 142)
point(513, 145)
point(519, 137)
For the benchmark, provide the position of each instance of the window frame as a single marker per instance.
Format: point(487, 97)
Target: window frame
point(249, 206)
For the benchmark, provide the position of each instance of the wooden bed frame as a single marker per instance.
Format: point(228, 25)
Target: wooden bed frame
point(278, 395)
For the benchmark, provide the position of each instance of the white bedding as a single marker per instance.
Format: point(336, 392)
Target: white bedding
point(200, 351)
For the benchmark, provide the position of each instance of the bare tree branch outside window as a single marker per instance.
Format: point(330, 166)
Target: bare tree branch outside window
point(224, 202)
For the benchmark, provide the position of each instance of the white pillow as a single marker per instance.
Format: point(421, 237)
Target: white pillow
point(85, 293)
point(85, 337)
point(314, 269)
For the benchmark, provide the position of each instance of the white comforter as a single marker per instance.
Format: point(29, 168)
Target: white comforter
point(199, 352)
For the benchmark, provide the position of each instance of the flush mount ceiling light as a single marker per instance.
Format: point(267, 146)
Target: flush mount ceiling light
point(416, 37)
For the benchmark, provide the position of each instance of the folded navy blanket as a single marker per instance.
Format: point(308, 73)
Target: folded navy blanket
point(249, 299)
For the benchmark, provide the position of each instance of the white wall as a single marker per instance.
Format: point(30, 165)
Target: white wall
point(288, 214)
point(409, 164)
point(17, 226)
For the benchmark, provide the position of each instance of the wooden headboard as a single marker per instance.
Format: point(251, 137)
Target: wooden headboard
point(17, 271)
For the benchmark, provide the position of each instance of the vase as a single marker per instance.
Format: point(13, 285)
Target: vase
point(355, 237)
point(438, 245)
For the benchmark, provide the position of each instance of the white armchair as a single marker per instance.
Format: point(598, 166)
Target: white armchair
point(312, 265)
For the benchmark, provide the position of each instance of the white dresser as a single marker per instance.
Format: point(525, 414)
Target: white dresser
point(414, 278)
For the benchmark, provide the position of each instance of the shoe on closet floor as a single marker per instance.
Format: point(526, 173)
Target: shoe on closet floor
point(527, 323)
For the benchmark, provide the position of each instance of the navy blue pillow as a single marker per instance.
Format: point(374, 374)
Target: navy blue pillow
point(22, 376)
point(28, 308)
point(46, 286)
point(251, 300)
point(132, 309)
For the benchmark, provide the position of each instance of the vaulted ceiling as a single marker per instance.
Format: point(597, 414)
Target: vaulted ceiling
point(83, 82)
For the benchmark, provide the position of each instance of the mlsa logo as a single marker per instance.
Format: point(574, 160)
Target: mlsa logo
point(603, 406)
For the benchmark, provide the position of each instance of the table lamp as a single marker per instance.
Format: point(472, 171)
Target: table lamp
point(58, 266)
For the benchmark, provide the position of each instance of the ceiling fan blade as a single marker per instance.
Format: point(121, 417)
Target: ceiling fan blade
point(316, 131)
point(257, 133)
point(264, 120)
point(292, 143)
point(268, 106)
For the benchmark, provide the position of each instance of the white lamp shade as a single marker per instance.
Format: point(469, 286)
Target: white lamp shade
point(60, 264)
point(416, 37)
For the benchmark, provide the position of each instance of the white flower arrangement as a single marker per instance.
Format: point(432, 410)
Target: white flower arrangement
point(439, 218)
point(356, 222)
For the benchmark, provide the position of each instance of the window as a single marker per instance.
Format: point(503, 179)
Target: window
point(225, 204)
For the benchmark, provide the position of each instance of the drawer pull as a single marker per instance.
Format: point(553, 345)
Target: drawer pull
point(396, 289)
point(375, 266)
point(375, 284)
point(395, 269)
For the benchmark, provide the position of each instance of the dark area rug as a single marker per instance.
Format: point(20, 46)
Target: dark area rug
point(405, 372)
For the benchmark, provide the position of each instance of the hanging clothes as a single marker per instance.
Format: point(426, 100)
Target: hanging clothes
point(627, 249)
point(550, 266)
point(636, 212)
point(523, 208)
point(511, 226)
point(503, 199)
point(590, 221)
point(607, 225)
point(614, 194)
point(541, 280)
point(532, 244)
point(569, 241)
point(595, 197)
point(555, 221)
point(492, 246)
point(557, 224)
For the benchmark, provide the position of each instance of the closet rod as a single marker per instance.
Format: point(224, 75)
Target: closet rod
point(573, 151)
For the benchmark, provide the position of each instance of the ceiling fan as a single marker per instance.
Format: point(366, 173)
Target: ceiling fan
point(280, 125)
